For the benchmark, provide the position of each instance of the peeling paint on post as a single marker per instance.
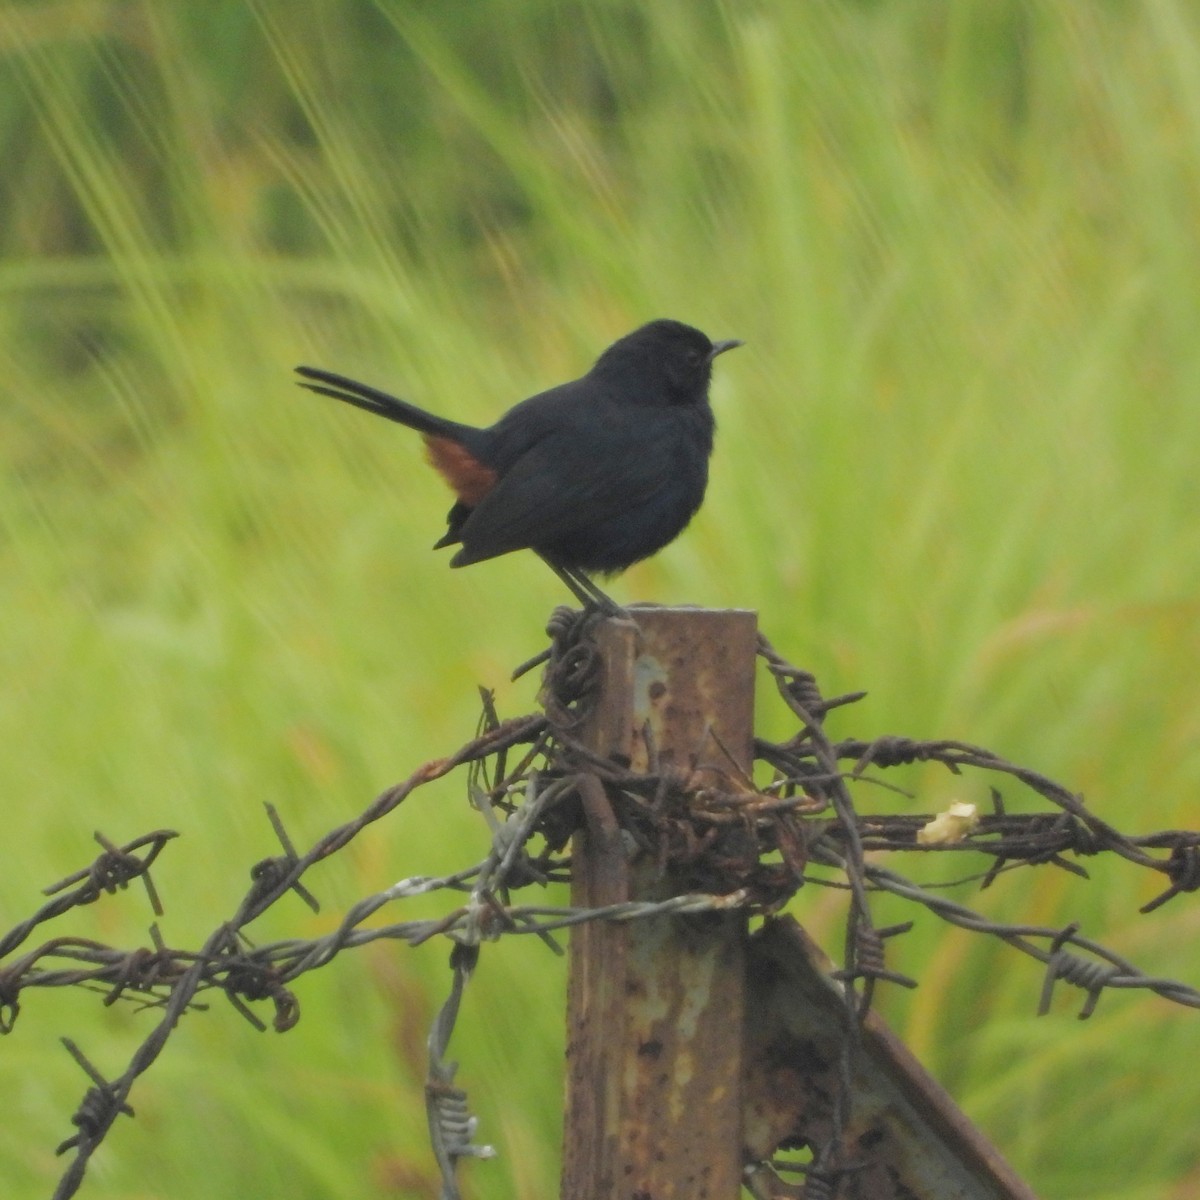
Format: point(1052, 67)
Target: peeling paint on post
point(655, 1006)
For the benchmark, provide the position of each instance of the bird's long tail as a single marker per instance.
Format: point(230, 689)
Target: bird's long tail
point(371, 400)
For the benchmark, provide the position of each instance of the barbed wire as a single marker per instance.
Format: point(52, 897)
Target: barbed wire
point(797, 829)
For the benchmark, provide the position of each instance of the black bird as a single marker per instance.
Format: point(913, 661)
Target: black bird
point(592, 475)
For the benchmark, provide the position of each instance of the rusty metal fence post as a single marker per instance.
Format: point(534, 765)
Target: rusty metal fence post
point(655, 1007)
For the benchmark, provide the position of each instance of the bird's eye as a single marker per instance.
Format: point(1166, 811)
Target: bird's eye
point(694, 356)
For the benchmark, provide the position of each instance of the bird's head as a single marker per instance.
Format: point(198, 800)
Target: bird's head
point(664, 362)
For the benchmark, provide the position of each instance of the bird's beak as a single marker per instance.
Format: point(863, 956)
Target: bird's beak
point(721, 347)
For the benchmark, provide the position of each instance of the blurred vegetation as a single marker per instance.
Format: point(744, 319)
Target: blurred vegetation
point(957, 466)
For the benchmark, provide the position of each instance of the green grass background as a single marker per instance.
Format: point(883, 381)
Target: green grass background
point(957, 465)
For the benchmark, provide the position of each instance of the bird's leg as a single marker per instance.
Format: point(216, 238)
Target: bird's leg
point(585, 591)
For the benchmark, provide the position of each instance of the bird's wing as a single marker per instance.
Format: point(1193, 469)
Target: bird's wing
point(555, 487)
